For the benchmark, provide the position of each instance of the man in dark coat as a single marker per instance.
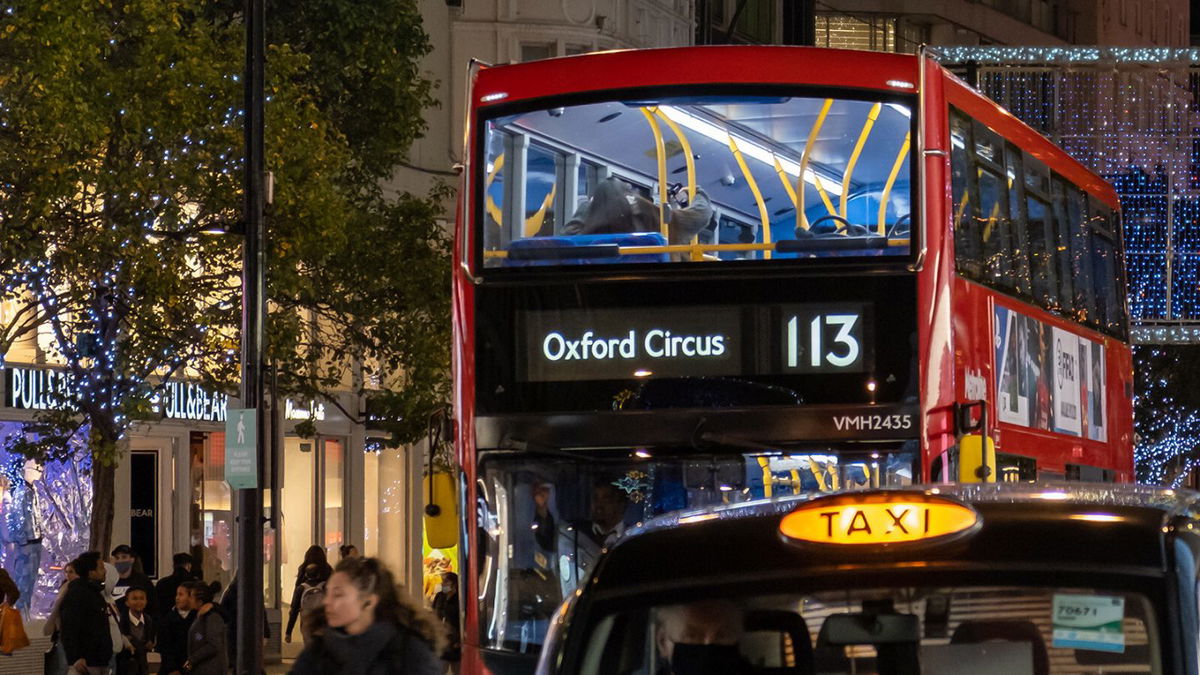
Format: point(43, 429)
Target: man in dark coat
point(229, 610)
point(173, 633)
point(164, 590)
point(84, 618)
point(131, 576)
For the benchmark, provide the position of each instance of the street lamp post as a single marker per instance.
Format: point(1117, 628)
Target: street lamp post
point(254, 309)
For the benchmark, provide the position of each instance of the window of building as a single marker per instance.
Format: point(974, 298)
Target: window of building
point(572, 50)
point(757, 21)
point(842, 31)
point(535, 51)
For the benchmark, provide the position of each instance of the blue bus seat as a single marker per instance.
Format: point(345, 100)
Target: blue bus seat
point(583, 249)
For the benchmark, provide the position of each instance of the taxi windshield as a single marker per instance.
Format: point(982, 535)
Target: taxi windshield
point(695, 179)
point(544, 517)
point(932, 630)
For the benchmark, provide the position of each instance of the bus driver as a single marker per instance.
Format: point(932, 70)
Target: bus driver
point(576, 545)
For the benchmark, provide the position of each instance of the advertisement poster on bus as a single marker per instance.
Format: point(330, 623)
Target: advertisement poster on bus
point(1048, 378)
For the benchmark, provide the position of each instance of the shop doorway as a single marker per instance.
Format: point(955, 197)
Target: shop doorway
point(312, 490)
point(211, 514)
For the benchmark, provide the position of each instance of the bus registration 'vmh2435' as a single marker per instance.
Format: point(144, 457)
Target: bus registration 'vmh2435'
point(703, 276)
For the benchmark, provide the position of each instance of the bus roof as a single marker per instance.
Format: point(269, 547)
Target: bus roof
point(711, 65)
point(1052, 526)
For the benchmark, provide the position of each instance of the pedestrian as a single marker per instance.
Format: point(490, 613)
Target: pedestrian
point(229, 607)
point(56, 658)
point(130, 575)
point(138, 630)
point(173, 635)
point(315, 555)
point(306, 599)
point(83, 619)
point(367, 626)
point(349, 551)
point(206, 653)
point(164, 590)
point(445, 606)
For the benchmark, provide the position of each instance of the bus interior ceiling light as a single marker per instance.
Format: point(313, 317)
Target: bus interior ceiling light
point(746, 146)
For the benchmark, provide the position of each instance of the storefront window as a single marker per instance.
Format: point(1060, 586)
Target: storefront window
point(371, 502)
point(212, 508)
point(334, 455)
point(296, 514)
point(44, 516)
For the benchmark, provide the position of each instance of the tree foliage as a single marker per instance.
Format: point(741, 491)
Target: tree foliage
point(121, 148)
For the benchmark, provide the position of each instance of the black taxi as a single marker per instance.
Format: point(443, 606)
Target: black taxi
point(985, 578)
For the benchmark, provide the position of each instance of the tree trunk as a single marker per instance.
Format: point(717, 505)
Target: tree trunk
point(103, 497)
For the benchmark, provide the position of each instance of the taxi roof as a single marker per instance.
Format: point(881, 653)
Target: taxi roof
point(1064, 526)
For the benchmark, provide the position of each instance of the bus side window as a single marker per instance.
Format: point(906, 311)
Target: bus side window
point(1080, 251)
point(965, 191)
point(1041, 251)
point(1020, 235)
point(995, 226)
point(1062, 248)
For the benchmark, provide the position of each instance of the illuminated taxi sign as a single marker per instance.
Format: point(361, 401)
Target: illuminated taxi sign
point(878, 518)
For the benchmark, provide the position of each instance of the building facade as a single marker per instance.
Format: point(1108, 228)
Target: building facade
point(339, 486)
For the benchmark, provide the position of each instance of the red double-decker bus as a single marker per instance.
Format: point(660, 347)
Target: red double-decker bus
point(711, 275)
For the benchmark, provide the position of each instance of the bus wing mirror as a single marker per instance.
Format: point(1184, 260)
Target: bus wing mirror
point(441, 510)
point(976, 459)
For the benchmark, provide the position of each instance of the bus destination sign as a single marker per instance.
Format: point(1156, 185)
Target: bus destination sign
point(694, 342)
point(621, 344)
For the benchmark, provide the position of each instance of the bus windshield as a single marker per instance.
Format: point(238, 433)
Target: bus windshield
point(697, 178)
point(544, 517)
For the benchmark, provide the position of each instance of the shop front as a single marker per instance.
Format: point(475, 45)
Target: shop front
point(339, 486)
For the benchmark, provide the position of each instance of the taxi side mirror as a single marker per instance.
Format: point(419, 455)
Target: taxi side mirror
point(441, 510)
point(976, 459)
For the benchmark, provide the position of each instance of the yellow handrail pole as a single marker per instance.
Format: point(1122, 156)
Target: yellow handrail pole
point(962, 207)
point(758, 198)
point(891, 181)
point(767, 478)
point(687, 152)
point(824, 195)
point(534, 223)
point(787, 184)
point(862, 140)
point(818, 474)
point(801, 218)
point(688, 158)
point(662, 170)
point(991, 221)
point(492, 209)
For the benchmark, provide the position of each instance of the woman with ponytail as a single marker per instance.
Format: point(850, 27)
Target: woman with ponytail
point(367, 626)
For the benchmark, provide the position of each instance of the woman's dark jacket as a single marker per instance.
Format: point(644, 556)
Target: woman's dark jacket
point(206, 643)
point(384, 649)
point(83, 624)
point(172, 640)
